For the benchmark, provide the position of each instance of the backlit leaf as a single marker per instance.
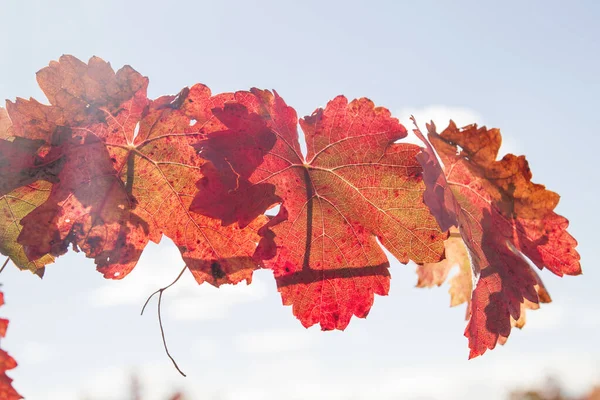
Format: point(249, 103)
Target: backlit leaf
point(127, 173)
point(501, 216)
point(356, 187)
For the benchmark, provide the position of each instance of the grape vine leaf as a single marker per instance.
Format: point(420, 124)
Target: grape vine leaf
point(502, 216)
point(461, 284)
point(7, 392)
point(13, 207)
point(105, 169)
point(21, 190)
point(435, 274)
point(20, 163)
point(126, 172)
point(355, 187)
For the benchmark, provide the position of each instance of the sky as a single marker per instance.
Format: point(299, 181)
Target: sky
point(529, 68)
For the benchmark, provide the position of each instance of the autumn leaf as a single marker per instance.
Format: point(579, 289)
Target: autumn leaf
point(21, 190)
point(7, 392)
point(104, 169)
point(21, 161)
point(501, 216)
point(235, 152)
point(13, 207)
point(355, 187)
point(441, 202)
point(79, 94)
point(435, 274)
point(461, 284)
point(543, 296)
point(127, 173)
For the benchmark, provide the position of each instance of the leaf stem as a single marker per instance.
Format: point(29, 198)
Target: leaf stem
point(4, 265)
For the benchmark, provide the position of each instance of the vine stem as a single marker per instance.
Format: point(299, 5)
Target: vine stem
point(162, 331)
point(4, 265)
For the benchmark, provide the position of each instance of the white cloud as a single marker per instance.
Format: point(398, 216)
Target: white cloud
point(588, 317)
point(276, 341)
point(547, 317)
point(477, 379)
point(205, 348)
point(552, 316)
point(35, 353)
point(157, 268)
point(209, 302)
point(304, 375)
point(484, 377)
point(441, 116)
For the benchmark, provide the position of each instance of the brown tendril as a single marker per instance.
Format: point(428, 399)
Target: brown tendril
point(4, 265)
point(162, 331)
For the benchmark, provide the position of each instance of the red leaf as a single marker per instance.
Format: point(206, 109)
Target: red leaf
point(127, 173)
point(234, 154)
point(461, 284)
point(105, 169)
point(7, 392)
point(441, 202)
point(501, 214)
point(21, 160)
point(357, 186)
point(79, 94)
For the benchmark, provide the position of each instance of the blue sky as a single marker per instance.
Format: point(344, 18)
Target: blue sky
point(530, 69)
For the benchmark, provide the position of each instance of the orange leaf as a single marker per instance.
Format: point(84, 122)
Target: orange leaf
point(461, 285)
point(501, 215)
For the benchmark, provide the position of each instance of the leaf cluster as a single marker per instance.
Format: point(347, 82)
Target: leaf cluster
point(104, 170)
